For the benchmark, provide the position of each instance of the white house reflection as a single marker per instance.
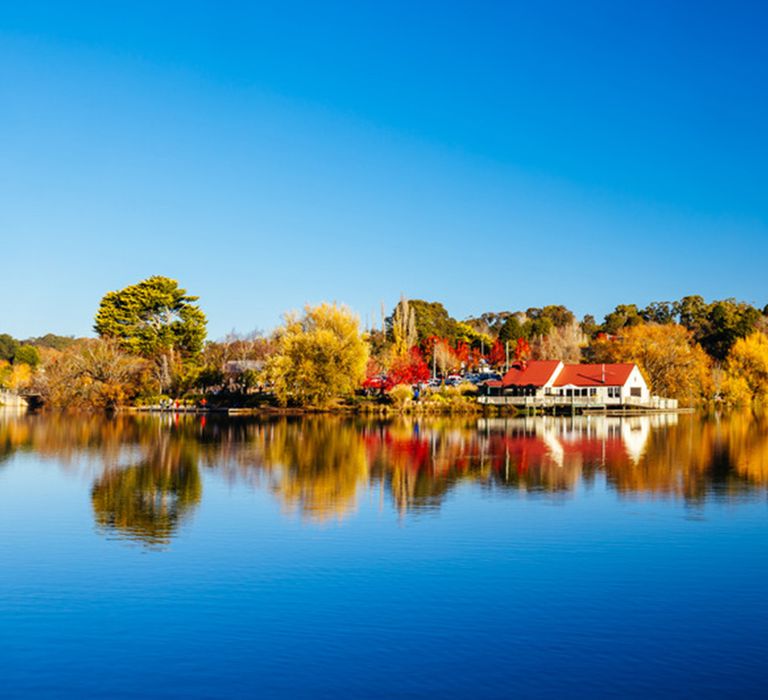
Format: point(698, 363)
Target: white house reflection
point(149, 476)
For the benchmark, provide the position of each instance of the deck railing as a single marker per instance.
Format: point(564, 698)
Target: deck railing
point(581, 402)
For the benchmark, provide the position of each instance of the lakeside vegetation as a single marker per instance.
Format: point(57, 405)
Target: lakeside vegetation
point(152, 347)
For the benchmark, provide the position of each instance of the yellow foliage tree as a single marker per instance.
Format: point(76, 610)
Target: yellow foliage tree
point(672, 362)
point(747, 370)
point(5, 372)
point(404, 328)
point(319, 357)
point(19, 377)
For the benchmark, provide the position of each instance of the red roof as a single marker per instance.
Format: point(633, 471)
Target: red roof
point(595, 375)
point(533, 373)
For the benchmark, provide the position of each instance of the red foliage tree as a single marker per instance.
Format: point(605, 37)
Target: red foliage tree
point(409, 369)
point(475, 357)
point(522, 350)
point(462, 352)
point(428, 344)
point(498, 355)
point(375, 376)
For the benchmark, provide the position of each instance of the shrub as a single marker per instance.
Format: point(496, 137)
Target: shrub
point(401, 395)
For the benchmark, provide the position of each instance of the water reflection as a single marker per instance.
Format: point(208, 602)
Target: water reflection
point(147, 501)
point(146, 472)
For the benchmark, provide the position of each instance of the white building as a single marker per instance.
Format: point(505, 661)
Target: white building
point(550, 382)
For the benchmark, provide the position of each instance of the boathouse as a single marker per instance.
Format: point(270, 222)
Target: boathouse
point(550, 383)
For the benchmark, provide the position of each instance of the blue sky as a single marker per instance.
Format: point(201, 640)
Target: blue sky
point(487, 155)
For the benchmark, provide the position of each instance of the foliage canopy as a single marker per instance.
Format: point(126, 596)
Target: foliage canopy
point(319, 357)
point(673, 363)
point(152, 317)
point(747, 368)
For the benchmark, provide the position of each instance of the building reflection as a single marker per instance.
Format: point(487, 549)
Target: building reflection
point(148, 473)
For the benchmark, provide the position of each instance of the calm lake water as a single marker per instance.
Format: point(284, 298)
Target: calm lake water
point(325, 557)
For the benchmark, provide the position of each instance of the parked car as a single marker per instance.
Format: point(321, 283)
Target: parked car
point(379, 383)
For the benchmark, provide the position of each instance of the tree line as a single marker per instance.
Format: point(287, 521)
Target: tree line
point(151, 345)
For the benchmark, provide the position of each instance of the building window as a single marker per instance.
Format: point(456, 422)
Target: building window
point(593, 392)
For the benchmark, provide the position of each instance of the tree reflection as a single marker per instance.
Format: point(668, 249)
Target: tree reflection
point(319, 465)
point(149, 500)
point(747, 440)
point(146, 475)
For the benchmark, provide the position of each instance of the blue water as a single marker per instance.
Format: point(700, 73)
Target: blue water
point(536, 572)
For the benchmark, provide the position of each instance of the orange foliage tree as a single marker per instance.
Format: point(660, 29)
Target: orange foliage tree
point(498, 354)
point(672, 362)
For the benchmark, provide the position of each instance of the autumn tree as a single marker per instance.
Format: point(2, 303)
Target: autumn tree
point(157, 320)
point(445, 359)
point(410, 368)
point(403, 324)
point(94, 373)
point(672, 362)
point(562, 343)
point(498, 354)
point(15, 377)
point(747, 369)
point(467, 334)
point(319, 357)
point(522, 351)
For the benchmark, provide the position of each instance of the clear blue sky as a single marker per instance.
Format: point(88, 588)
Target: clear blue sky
point(487, 155)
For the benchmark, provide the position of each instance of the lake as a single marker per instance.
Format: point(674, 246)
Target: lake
point(196, 556)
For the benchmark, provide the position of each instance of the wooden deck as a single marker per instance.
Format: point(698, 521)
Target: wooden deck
point(583, 404)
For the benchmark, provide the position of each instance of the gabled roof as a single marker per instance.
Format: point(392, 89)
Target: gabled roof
point(533, 373)
point(595, 375)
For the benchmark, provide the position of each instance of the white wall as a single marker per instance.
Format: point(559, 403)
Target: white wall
point(635, 380)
